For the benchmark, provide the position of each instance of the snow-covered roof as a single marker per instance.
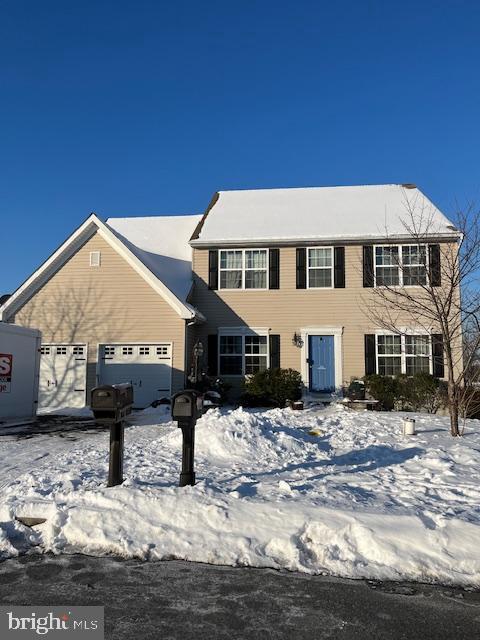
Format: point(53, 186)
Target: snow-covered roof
point(161, 244)
point(320, 213)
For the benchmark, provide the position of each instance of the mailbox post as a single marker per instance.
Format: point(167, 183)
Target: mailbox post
point(110, 405)
point(187, 407)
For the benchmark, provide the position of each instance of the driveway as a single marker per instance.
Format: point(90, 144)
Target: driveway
point(180, 600)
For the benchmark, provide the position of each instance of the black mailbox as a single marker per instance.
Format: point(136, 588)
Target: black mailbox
point(187, 407)
point(110, 403)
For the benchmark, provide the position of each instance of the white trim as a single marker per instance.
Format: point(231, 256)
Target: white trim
point(243, 269)
point(337, 333)
point(91, 225)
point(332, 268)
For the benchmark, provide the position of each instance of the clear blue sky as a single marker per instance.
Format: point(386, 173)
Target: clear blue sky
point(131, 108)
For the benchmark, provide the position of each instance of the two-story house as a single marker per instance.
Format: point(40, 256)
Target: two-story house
point(265, 278)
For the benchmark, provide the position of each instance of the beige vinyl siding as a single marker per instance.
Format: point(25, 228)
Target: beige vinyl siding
point(288, 310)
point(111, 303)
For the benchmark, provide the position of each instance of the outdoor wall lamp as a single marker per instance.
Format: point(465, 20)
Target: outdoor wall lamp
point(297, 340)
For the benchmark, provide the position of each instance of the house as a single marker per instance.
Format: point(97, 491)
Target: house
point(265, 278)
point(112, 305)
point(284, 277)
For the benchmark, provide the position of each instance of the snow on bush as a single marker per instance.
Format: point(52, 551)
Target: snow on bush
point(359, 500)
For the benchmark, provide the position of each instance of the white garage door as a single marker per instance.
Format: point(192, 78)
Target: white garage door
point(63, 376)
point(147, 366)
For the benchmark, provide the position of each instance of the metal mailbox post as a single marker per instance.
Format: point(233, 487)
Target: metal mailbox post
point(110, 405)
point(187, 407)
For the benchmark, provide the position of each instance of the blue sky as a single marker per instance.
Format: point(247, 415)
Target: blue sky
point(143, 108)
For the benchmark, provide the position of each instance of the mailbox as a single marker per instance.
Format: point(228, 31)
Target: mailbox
point(110, 403)
point(187, 406)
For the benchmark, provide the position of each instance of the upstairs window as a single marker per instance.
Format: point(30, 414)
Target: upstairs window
point(320, 268)
point(243, 269)
point(404, 265)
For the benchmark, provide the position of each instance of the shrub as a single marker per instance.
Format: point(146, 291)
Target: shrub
point(273, 387)
point(382, 388)
point(407, 393)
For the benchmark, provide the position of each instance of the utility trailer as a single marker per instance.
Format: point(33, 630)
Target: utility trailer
point(19, 373)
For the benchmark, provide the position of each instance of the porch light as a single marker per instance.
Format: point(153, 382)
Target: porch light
point(297, 340)
point(198, 349)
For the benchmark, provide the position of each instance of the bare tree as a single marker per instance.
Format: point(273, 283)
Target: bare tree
point(444, 297)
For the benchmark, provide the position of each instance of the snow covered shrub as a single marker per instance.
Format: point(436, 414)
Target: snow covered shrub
point(272, 387)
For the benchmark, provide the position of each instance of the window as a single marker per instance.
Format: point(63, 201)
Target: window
point(231, 358)
point(389, 350)
point(414, 260)
point(417, 354)
point(77, 351)
point(144, 351)
point(162, 351)
point(45, 351)
point(320, 268)
point(127, 351)
point(408, 354)
point(243, 269)
point(404, 265)
point(109, 351)
point(61, 351)
point(255, 354)
point(94, 258)
point(243, 354)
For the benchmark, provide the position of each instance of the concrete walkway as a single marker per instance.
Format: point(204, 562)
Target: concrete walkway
point(180, 600)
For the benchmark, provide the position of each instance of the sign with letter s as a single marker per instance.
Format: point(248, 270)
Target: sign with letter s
point(6, 366)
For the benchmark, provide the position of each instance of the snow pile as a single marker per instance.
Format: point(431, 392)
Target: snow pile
point(359, 500)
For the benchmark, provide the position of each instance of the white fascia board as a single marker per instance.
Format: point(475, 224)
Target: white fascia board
point(294, 241)
point(91, 225)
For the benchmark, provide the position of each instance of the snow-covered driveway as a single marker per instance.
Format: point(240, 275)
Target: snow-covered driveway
point(358, 500)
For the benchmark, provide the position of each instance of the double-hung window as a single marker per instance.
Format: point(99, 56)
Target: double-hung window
point(320, 268)
point(407, 354)
point(243, 269)
point(242, 354)
point(400, 265)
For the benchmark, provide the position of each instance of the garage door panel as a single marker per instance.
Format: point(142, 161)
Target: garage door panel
point(148, 367)
point(63, 370)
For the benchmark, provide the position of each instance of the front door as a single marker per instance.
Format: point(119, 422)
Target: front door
point(321, 362)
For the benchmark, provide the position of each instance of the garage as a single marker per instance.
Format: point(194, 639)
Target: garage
point(63, 376)
point(147, 366)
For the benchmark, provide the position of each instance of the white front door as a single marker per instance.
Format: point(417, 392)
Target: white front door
point(148, 367)
point(63, 376)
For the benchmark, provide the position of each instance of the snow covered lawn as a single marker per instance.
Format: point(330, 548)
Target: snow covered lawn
point(358, 500)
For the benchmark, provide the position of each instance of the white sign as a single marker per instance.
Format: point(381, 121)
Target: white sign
point(6, 365)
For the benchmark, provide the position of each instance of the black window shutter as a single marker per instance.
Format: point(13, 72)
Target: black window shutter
point(301, 268)
point(213, 269)
point(437, 353)
point(274, 269)
point(434, 265)
point(370, 356)
point(274, 351)
point(368, 266)
point(339, 268)
point(212, 354)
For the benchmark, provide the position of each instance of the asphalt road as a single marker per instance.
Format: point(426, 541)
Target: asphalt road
point(180, 600)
